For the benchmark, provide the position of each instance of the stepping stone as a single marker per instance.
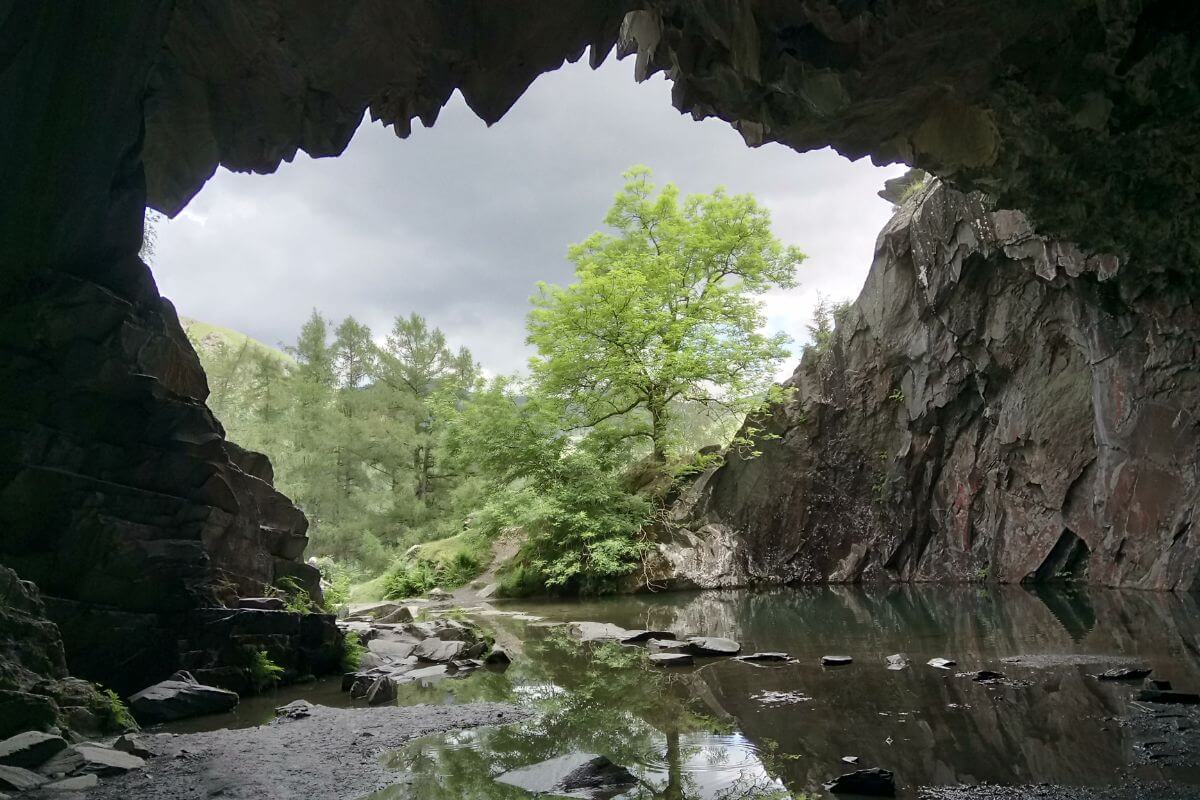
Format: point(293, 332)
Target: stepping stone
point(874, 782)
point(30, 749)
point(639, 636)
point(713, 646)
point(942, 663)
point(755, 658)
point(660, 645)
point(835, 661)
point(670, 659)
point(897, 661)
point(1124, 674)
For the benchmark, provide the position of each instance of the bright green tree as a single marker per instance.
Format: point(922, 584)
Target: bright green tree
point(664, 310)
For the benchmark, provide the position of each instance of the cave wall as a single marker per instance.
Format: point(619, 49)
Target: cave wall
point(995, 405)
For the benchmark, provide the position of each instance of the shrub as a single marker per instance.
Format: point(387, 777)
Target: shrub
point(112, 711)
point(262, 671)
point(445, 563)
point(352, 652)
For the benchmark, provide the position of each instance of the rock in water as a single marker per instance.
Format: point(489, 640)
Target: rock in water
point(660, 645)
point(1124, 674)
point(712, 646)
point(30, 749)
point(670, 659)
point(180, 699)
point(987, 676)
point(941, 663)
point(497, 657)
point(897, 661)
point(874, 782)
point(569, 774)
point(91, 758)
point(598, 631)
point(835, 661)
point(756, 658)
point(639, 636)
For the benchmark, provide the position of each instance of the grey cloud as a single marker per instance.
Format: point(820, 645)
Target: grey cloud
point(458, 222)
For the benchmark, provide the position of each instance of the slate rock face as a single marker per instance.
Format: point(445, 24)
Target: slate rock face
point(994, 405)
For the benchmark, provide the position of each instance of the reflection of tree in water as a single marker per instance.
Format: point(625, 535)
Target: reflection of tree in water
point(591, 698)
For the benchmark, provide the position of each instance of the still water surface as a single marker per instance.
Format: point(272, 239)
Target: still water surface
point(726, 730)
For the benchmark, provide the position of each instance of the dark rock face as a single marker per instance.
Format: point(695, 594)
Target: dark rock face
point(995, 405)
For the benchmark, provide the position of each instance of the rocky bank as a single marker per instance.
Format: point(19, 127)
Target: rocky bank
point(996, 405)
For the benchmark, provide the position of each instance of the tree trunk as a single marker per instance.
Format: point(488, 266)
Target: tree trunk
point(658, 430)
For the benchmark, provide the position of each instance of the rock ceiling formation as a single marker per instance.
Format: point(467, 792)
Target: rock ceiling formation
point(1083, 113)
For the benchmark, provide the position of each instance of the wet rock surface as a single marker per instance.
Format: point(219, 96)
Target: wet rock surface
point(179, 698)
point(575, 775)
point(995, 406)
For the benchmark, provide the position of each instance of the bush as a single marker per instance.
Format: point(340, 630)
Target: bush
point(352, 652)
point(111, 710)
point(445, 563)
point(262, 671)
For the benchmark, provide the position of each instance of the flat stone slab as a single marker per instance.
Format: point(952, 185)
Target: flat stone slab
point(639, 636)
point(942, 663)
point(670, 659)
point(180, 699)
point(79, 783)
point(1124, 674)
point(18, 779)
point(574, 775)
point(598, 631)
point(91, 758)
point(391, 648)
point(713, 646)
point(439, 651)
point(836, 661)
point(30, 749)
point(764, 658)
point(667, 645)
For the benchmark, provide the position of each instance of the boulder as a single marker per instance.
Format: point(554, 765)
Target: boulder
point(178, 699)
point(439, 651)
point(712, 646)
point(135, 745)
point(874, 782)
point(262, 603)
point(438, 595)
point(941, 663)
point(382, 690)
point(297, 709)
point(401, 614)
point(22, 711)
point(19, 779)
point(30, 749)
point(570, 775)
point(670, 659)
point(91, 758)
point(835, 661)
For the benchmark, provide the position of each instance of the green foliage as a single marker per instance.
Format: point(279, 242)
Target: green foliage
point(352, 652)
point(827, 315)
point(295, 597)
point(663, 311)
point(897, 396)
point(445, 563)
point(111, 710)
point(262, 671)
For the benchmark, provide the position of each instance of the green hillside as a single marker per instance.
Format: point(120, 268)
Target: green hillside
point(205, 335)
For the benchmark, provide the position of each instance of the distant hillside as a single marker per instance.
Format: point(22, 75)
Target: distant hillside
point(207, 335)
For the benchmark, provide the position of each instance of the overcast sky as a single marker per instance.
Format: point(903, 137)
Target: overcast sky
point(458, 222)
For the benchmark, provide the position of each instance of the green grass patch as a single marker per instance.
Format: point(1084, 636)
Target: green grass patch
point(444, 564)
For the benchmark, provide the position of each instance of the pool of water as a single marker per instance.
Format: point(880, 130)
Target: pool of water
point(726, 730)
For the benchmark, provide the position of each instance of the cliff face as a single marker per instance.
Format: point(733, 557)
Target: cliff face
point(995, 405)
point(119, 496)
